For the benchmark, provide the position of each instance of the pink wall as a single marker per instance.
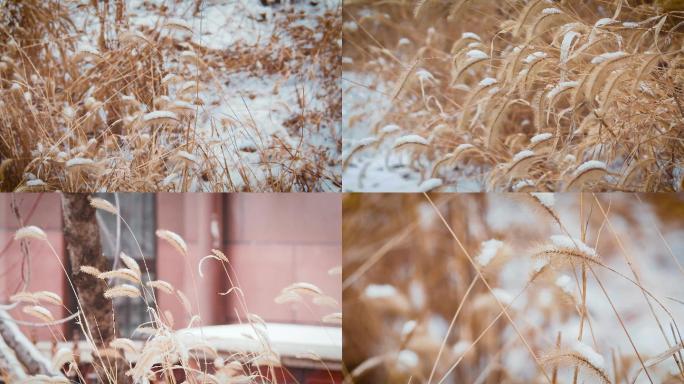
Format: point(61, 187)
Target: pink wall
point(276, 240)
point(46, 272)
point(190, 216)
point(272, 240)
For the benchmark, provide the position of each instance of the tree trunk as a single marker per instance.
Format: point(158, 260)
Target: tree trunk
point(24, 351)
point(10, 367)
point(82, 237)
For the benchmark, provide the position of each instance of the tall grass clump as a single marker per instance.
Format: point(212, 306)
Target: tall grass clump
point(108, 104)
point(519, 288)
point(591, 91)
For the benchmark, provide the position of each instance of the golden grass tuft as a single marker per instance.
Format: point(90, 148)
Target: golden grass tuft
point(597, 79)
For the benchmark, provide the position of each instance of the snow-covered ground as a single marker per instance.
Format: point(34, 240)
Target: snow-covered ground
point(365, 100)
point(263, 94)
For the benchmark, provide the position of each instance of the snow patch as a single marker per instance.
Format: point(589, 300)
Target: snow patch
point(488, 250)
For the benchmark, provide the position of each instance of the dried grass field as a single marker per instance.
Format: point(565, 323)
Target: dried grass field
point(508, 95)
point(513, 288)
point(177, 95)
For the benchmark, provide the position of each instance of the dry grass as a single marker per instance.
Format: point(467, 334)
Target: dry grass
point(78, 119)
point(475, 288)
point(161, 350)
point(570, 81)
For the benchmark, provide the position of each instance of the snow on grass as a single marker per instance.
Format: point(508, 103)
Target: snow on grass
point(488, 250)
point(564, 282)
point(545, 198)
point(608, 56)
point(463, 147)
point(156, 115)
point(563, 241)
point(523, 184)
point(380, 291)
point(408, 327)
point(430, 184)
point(589, 165)
point(476, 54)
point(589, 353)
point(471, 35)
point(487, 81)
point(410, 139)
point(187, 156)
point(503, 296)
point(560, 88)
point(539, 264)
point(367, 141)
point(566, 45)
point(35, 183)
point(524, 154)
point(531, 58)
point(407, 359)
point(390, 128)
point(605, 21)
point(540, 137)
point(78, 161)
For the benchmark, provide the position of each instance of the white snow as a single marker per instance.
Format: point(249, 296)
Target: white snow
point(187, 156)
point(378, 291)
point(564, 241)
point(539, 264)
point(488, 250)
point(604, 22)
point(417, 294)
point(532, 57)
point(565, 283)
point(76, 161)
point(551, 11)
point(408, 327)
point(476, 54)
point(35, 183)
point(588, 165)
point(589, 353)
point(541, 137)
point(407, 359)
point(503, 296)
point(560, 88)
point(522, 184)
point(391, 128)
point(410, 139)
point(608, 56)
point(471, 35)
point(460, 347)
point(566, 45)
point(159, 115)
point(430, 184)
point(546, 198)
point(367, 141)
point(424, 75)
point(524, 154)
point(487, 81)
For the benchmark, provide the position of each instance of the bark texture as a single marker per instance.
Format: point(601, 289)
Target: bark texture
point(82, 237)
point(24, 351)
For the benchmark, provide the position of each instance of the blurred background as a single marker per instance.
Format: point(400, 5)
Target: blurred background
point(405, 278)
